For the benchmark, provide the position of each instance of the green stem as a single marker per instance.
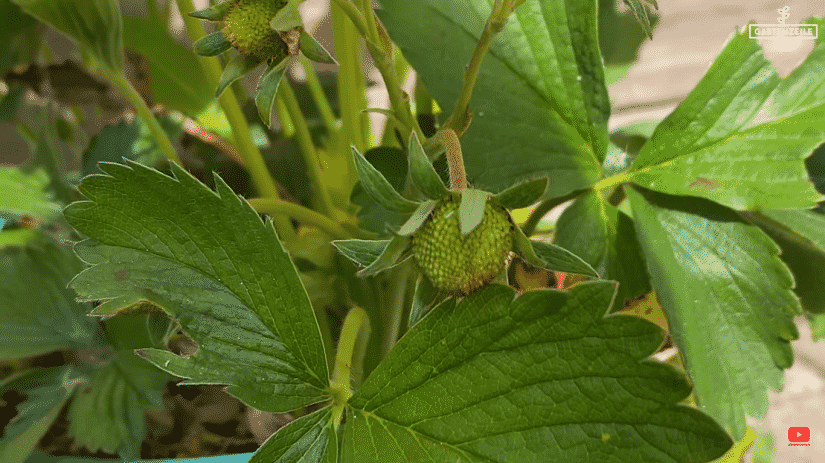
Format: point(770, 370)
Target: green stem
point(461, 117)
point(382, 50)
point(287, 127)
point(320, 98)
point(355, 125)
point(252, 158)
point(614, 180)
point(399, 100)
point(542, 209)
point(301, 214)
point(357, 322)
point(372, 30)
point(311, 159)
point(396, 307)
point(128, 91)
point(354, 15)
point(154, 11)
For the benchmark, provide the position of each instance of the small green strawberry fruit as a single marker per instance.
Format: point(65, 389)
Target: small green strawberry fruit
point(246, 26)
point(461, 264)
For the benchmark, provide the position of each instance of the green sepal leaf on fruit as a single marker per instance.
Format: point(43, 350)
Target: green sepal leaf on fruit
point(286, 18)
point(560, 259)
point(377, 186)
point(361, 252)
point(422, 173)
point(471, 210)
point(214, 12)
point(417, 218)
point(267, 89)
point(425, 297)
point(396, 252)
point(550, 256)
point(460, 240)
point(313, 49)
point(235, 69)
point(212, 44)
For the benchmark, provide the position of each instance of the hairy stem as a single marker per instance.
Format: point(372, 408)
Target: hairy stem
point(455, 160)
point(356, 323)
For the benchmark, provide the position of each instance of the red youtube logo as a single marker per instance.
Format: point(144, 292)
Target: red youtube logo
point(799, 434)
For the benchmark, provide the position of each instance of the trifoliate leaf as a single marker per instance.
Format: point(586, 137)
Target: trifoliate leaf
point(210, 261)
point(535, 114)
point(727, 297)
point(424, 298)
point(94, 24)
point(545, 377)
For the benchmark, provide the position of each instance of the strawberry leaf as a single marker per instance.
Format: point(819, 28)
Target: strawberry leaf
point(543, 377)
point(210, 261)
point(727, 297)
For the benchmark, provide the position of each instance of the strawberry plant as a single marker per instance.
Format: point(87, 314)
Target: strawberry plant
point(399, 291)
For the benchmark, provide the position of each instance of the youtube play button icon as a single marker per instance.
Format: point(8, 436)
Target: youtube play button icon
point(799, 435)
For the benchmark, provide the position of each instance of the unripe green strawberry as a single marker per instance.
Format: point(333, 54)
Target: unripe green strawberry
point(246, 26)
point(460, 264)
